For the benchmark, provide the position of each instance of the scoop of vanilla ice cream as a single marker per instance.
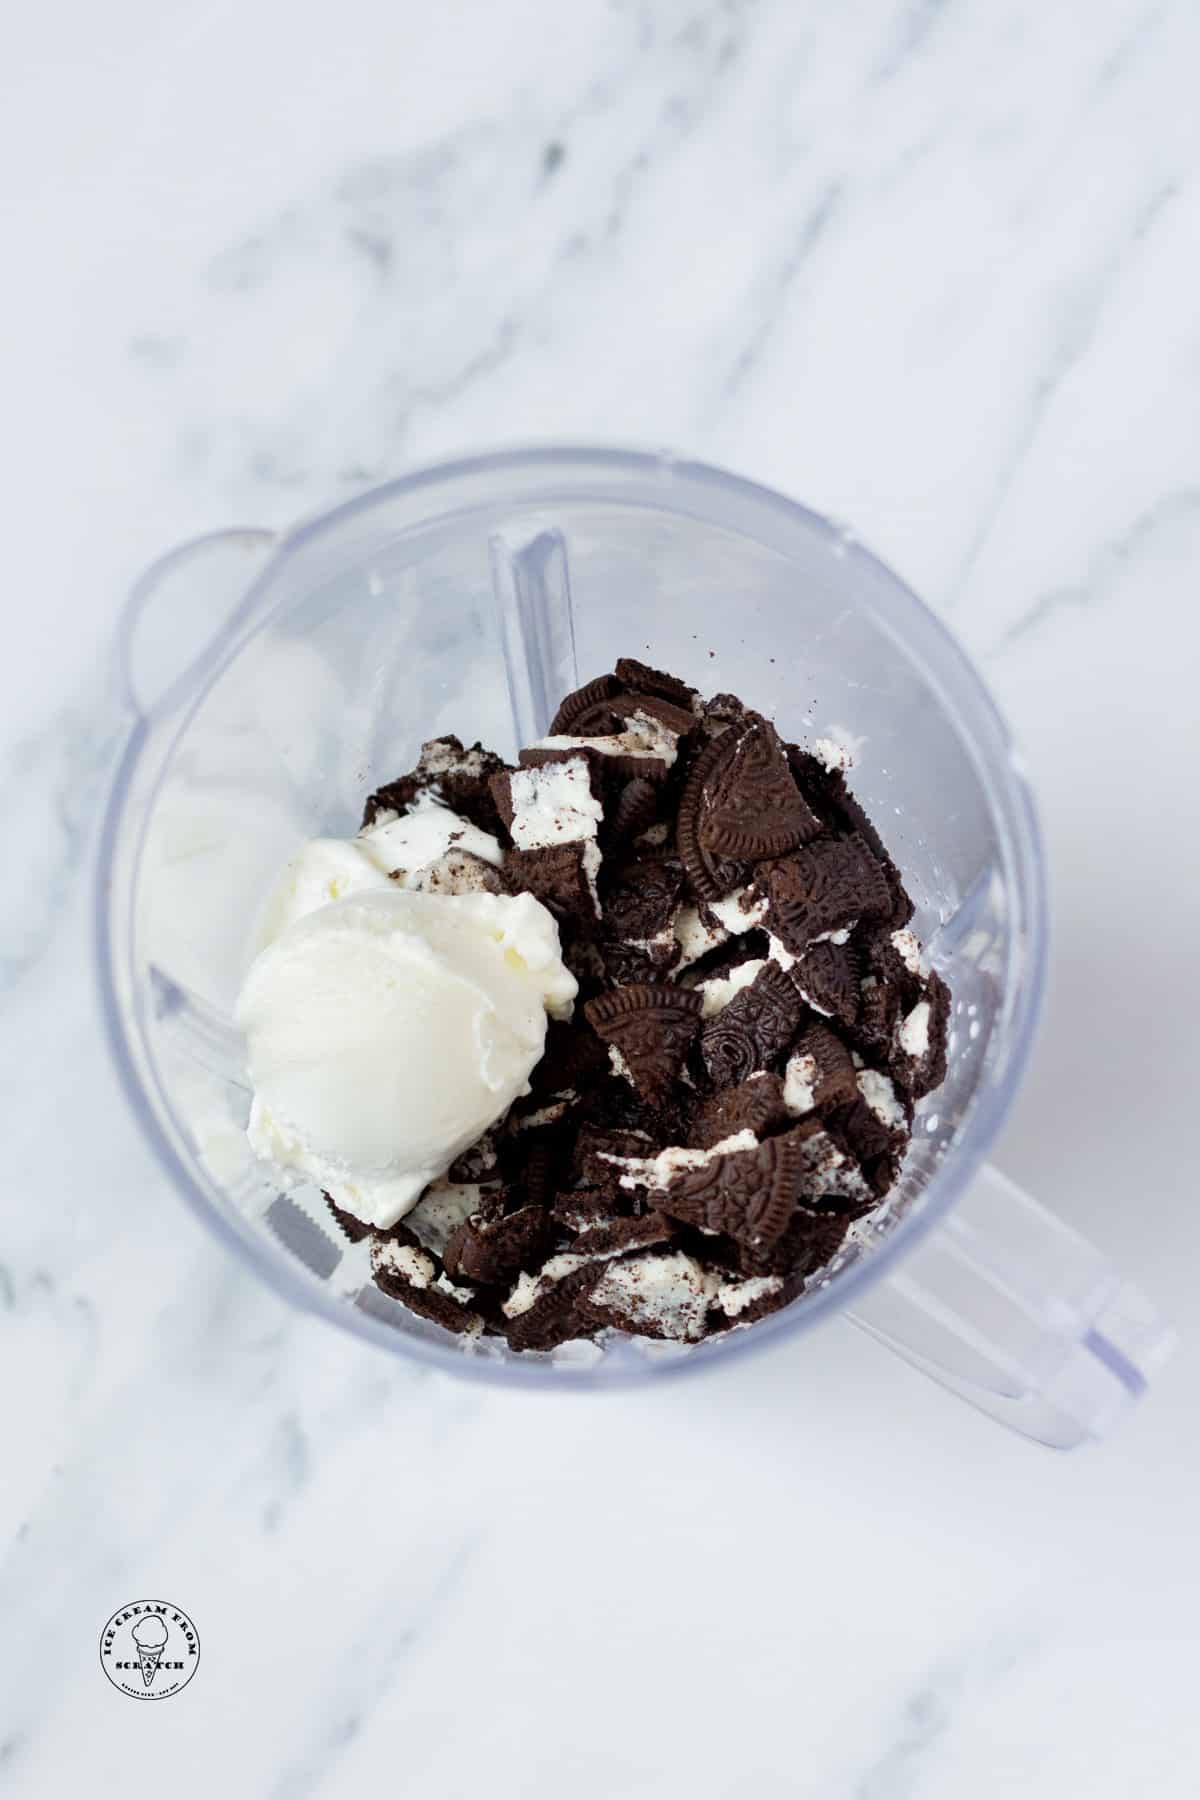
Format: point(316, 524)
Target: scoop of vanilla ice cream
point(385, 1032)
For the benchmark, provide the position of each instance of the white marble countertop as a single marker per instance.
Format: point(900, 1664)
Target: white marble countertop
point(926, 264)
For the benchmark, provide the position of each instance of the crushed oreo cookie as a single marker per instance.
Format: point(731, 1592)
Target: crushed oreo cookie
point(753, 1027)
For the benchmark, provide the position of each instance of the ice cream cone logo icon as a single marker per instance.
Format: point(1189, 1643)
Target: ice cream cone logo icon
point(150, 1636)
point(150, 1649)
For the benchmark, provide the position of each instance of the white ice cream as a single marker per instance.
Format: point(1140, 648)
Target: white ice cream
point(386, 1031)
point(396, 851)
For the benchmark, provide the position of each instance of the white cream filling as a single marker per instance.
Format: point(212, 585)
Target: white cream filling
point(913, 1033)
point(831, 755)
point(405, 1260)
point(458, 872)
point(830, 1171)
point(834, 937)
point(733, 1297)
point(665, 1290)
point(464, 1296)
point(779, 953)
point(442, 1208)
point(716, 993)
point(908, 949)
point(554, 804)
point(405, 843)
point(440, 758)
point(735, 915)
point(800, 1085)
point(696, 938)
point(530, 1288)
point(548, 1114)
point(880, 1095)
point(643, 736)
point(659, 1171)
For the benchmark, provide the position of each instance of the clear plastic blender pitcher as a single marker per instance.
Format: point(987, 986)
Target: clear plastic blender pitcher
point(275, 682)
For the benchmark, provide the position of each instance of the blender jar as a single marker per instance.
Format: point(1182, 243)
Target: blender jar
point(272, 683)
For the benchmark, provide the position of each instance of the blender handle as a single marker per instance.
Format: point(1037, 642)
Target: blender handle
point(182, 608)
point(1016, 1312)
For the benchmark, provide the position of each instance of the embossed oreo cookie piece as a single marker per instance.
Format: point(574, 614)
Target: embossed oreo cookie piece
point(756, 1026)
point(710, 875)
point(557, 876)
point(494, 1251)
point(820, 1073)
point(748, 1195)
point(586, 711)
point(640, 678)
point(755, 1105)
point(639, 896)
point(752, 808)
point(634, 811)
point(828, 977)
point(918, 1059)
point(651, 1024)
point(829, 885)
point(412, 1274)
point(460, 778)
point(827, 790)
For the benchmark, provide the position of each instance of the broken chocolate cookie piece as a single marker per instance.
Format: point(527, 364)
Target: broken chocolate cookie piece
point(612, 1236)
point(350, 1227)
point(541, 1310)
point(711, 876)
point(828, 978)
point(756, 1105)
point(494, 1251)
point(640, 678)
point(406, 1271)
point(586, 711)
point(919, 1040)
point(651, 1024)
point(820, 1073)
point(828, 792)
point(753, 809)
point(679, 720)
point(460, 779)
point(829, 886)
point(639, 897)
point(559, 877)
point(749, 1195)
point(756, 1026)
point(572, 1060)
point(634, 811)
